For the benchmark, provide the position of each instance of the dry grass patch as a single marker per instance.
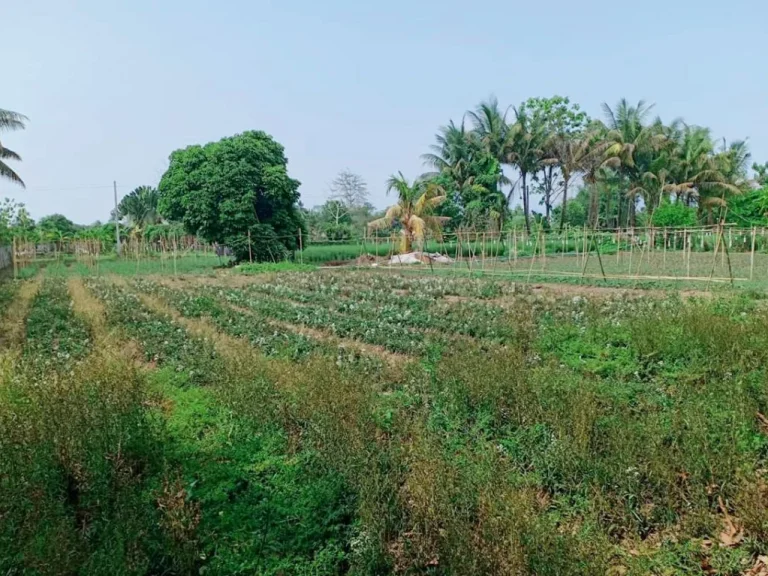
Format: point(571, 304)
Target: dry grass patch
point(12, 329)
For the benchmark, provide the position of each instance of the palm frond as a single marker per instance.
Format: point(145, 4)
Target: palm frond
point(9, 154)
point(6, 172)
point(12, 120)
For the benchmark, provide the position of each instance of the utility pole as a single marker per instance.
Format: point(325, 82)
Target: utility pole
point(117, 220)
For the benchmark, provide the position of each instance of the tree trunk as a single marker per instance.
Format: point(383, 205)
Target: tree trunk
point(565, 202)
point(548, 194)
point(526, 208)
point(594, 205)
point(405, 242)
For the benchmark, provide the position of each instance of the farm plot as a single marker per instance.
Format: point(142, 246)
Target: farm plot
point(316, 423)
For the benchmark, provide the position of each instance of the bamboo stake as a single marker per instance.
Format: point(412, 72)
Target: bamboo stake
point(533, 257)
point(752, 255)
point(515, 246)
point(301, 248)
point(250, 251)
point(482, 265)
point(599, 258)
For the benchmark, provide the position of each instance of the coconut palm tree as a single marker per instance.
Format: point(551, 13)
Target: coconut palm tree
point(632, 142)
point(468, 171)
point(524, 149)
point(413, 211)
point(140, 207)
point(10, 121)
point(576, 154)
point(490, 125)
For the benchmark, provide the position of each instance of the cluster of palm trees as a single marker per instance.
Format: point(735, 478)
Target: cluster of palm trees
point(627, 162)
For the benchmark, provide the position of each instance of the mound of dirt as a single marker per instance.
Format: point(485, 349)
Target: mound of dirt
point(420, 258)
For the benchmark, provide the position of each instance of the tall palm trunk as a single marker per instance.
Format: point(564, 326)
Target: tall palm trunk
point(594, 206)
point(565, 201)
point(526, 207)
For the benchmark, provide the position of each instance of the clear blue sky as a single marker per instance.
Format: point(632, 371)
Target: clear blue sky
point(111, 88)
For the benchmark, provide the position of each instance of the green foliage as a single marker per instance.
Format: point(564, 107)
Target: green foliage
point(761, 173)
point(56, 227)
point(673, 214)
point(10, 121)
point(140, 207)
point(53, 331)
point(226, 189)
point(14, 220)
point(750, 208)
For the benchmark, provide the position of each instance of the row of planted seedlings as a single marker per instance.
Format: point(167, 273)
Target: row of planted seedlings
point(254, 326)
point(252, 495)
point(663, 404)
point(391, 335)
point(432, 286)
point(414, 310)
point(401, 323)
point(422, 468)
point(75, 445)
point(551, 470)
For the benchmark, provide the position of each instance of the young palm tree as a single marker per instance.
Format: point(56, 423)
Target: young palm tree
point(10, 121)
point(140, 207)
point(413, 211)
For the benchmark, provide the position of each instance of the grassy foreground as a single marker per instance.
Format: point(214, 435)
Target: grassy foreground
point(362, 423)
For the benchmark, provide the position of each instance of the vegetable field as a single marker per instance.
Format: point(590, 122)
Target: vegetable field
point(359, 422)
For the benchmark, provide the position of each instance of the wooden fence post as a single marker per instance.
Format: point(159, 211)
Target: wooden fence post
point(301, 248)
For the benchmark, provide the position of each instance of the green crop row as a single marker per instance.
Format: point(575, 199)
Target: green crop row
point(54, 335)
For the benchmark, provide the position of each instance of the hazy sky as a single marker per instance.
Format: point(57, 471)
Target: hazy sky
point(111, 88)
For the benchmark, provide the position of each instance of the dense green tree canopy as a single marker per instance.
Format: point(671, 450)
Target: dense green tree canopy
point(227, 189)
point(56, 227)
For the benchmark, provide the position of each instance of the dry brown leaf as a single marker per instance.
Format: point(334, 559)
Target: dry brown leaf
point(732, 534)
point(760, 568)
point(762, 423)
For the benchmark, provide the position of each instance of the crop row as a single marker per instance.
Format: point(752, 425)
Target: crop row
point(239, 491)
point(55, 336)
point(391, 335)
point(429, 286)
point(162, 340)
point(269, 338)
point(469, 318)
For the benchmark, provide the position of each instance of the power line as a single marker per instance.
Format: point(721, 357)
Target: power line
point(43, 189)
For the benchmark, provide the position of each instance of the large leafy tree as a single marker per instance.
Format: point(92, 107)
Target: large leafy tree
point(10, 121)
point(414, 211)
point(56, 227)
point(140, 207)
point(235, 192)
